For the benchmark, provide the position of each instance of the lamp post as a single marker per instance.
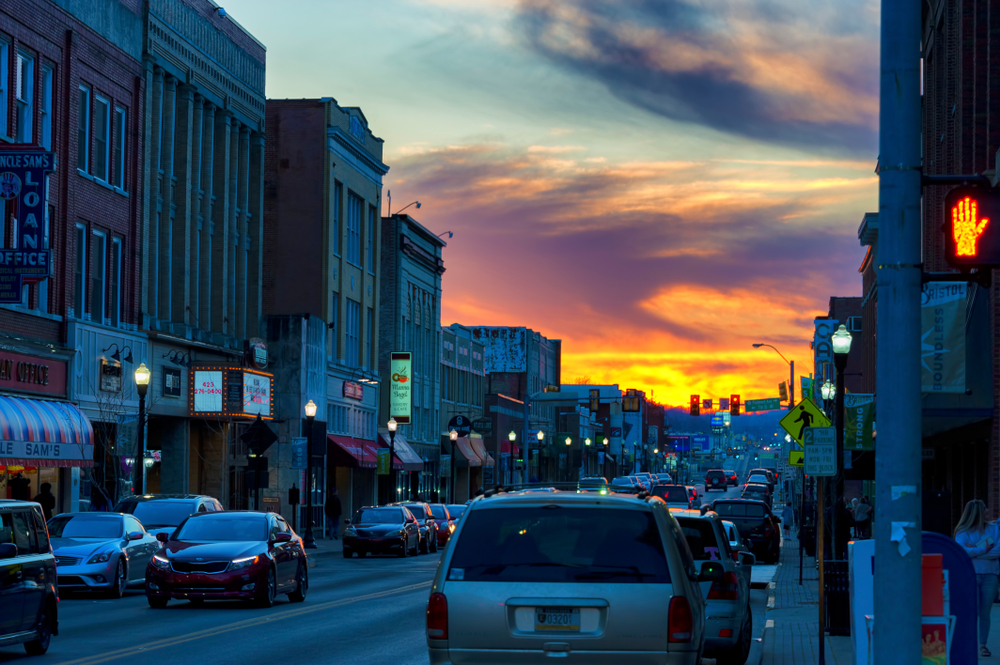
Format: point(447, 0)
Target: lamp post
point(586, 461)
point(142, 376)
point(310, 540)
point(512, 437)
point(453, 437)
point(391, 426)
point(604, 468)
point(841, 341)
point(527, 460)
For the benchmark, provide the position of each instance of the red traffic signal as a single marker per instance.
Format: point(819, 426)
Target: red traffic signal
point(734, 405)
point(972, 227)
point(695, 405)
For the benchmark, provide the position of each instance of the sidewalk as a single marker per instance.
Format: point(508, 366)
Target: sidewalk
point(791, 633)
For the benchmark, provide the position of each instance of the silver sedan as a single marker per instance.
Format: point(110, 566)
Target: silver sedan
point(100, 551)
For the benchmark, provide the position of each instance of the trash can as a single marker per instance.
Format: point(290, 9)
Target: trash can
point(837, 584)
point(807, 534)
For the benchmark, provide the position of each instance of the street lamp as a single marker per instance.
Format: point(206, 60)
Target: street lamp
point(605, 440)
point(841, 341)
point(310, 540)
point(828, 391)
point(392, 425)
point(512, 437)
point(453, 436)
point(569, 441)
point(791, 376)
point(142, 376)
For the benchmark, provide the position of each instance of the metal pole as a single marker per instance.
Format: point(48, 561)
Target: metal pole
point(840, 362)
point(454, 461)
point(802, 519)
point(138, 475)
point(310, 540)
point(820, 558)
point(897, 637)
point(526, 466)
point(392, 469)
point(791, 385)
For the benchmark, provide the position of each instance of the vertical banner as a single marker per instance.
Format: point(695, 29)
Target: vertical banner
point(401, 387)
point(859, 421)
point(23, 185)
point(942, 337)
point(383, 462)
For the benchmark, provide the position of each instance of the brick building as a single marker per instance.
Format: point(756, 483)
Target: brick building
point(71, 82)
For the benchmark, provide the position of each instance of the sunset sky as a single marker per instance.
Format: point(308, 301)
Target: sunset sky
point(657, 183)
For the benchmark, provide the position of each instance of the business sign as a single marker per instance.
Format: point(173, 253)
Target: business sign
point(822, 346)
point(256, 394)
point(354, 390)
point(769, 404)
point(207, 391)
point(400, 386)
point(299, 452)
point(23, 373)
point(227, 392)
point(718, 420)
point(256, 352)
point(859, 421)
point(942, 337)
point(484, 426)
point(23, 185)
point(821, 451)
point(679, 443)
point(461, 425)
point(382, 468)
point(701, 442)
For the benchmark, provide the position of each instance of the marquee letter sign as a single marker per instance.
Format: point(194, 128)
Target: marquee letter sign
point(23, 185)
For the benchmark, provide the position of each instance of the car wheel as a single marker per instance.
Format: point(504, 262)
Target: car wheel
point(269, 590)
point(348, 553)
point(197, 602)
point(362, 554)
point(404, 550)
point(425, 546)
point(416, 548)
point(301, 585)
point(737, 654)
point(41, 645)
point(117, 589)
point(156, 602)
point(434, 545)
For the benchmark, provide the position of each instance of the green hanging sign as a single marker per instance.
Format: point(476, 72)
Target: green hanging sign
point(384, 465)
point(859, 421)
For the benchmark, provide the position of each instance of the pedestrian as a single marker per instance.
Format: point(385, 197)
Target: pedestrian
point(862, 519)
point(47, 499)
point(852, 507)
point(979, 539)
point(787, 518)
point(333, 511)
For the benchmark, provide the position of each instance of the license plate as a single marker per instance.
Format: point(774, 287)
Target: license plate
point(556, 619)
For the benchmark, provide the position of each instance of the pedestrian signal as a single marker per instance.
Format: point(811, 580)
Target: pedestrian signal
point(695, 405)
point(734, 405)
point(972, 227)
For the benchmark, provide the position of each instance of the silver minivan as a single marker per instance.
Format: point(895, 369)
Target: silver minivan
point(586, 578)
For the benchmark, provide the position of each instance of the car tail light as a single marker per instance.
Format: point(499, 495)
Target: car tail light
point(680, 622)
point(736, 556)
point(437, 617)
point(727, 589)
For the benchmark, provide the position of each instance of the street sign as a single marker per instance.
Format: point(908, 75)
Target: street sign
point(805, 414)
point(460, 424)
point(796, 457)
point(821, 451)
point(769, 404)
point(484, 426)
point(299, 452)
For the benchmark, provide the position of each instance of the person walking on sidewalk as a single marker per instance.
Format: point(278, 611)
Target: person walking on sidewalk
point(862, 519)
point(333, 512)
point(979, 538)
point(787, 517)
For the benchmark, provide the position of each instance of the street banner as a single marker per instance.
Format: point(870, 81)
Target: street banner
point(400, 387)
point(445, 466)
point(942, 336)
point(807, 387)
point(383, 462)
point(299, 452)
point(859, 421)
point(24, 197)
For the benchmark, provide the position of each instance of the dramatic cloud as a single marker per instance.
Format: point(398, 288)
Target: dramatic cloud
point(795, 72)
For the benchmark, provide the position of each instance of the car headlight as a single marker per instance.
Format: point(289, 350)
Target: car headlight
point(160, 562)
point(246, 562)
point(100, 557)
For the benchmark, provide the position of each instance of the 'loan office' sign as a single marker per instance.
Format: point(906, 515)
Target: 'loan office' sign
point(23, 373)
point(23, 185)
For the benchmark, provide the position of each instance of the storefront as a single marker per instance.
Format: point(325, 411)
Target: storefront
point(408, 482)
point(468, 470)
point(350, 467)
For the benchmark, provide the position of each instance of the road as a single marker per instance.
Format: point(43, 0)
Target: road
point(360, 611)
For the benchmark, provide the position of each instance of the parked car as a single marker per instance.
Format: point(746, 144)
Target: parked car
point(732, 478)
point(625, 484)
point(597, 484)
point(757, 493)
point(675, 496)
point(757, 525)
point(230, 555)
point(445, 522)
point(715, 479)
point(738, 548)
point(602, 578)
point(428, 525)
point(772, 477)
point(163, 512)
point(31, 615)
point(382, 530)
point(729, 625)
point(759, 479)
point(693, 491)
point(100, 551)
point(456, 510)
point(643, 483)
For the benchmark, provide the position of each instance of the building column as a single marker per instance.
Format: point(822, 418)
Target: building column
point(152, 203)
point(165, 257)
point(242, 254)
point(220, 219)
point(185, 170)
point(233, 229)
point(197, 195)
point(207, 220)
point(255, 236)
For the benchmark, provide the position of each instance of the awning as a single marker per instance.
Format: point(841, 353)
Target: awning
point(467, 456)
point(36, 432)
point(347, 451)
point(480, 447)
point(505, 447)
point(406, 457)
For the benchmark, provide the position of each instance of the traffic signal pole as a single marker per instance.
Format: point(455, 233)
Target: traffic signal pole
point(897, 628)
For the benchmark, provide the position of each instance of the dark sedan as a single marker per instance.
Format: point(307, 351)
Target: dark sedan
point(757, 526)
point(428, 526)
point(445, 522)
point(455, 511)
point(382, 529)
point(234, 555)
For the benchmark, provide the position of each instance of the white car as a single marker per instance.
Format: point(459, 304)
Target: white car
point(736, 544)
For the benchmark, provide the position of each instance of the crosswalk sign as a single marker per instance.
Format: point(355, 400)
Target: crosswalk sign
point(805, 414)
point(796, 458)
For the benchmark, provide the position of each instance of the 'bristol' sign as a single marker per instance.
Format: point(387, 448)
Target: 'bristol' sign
point(23, 185)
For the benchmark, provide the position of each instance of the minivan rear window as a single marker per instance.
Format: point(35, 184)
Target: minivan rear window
point(702, 540)
point(737, 510)
point(558, 544)
point(672, 494)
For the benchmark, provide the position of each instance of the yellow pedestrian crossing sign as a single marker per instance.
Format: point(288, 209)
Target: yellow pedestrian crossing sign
point(805, 414)
point(796, 458)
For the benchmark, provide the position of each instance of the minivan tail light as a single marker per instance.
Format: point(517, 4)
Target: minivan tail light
point(680, 622)
point(727, 589)
point(437, 617)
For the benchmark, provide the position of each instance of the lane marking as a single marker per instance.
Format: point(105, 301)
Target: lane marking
point(240, 625)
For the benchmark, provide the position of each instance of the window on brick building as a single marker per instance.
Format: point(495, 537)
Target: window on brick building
point(118, 154)
point(98, 276)
point(335, 325)
point(338, 209)
point(4, 84)
point(369, 328)
point(80, 276)
point(45, 109)
point(116, 282)
point(24, 94)
point(355, 211)
point(102, 134)
point(351, 332)
point(83, 130)
point(43, 286)
point(371, 239)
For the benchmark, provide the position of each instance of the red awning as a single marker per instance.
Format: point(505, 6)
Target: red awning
point(466, 455)
point(372, 448)
point(505, 447)
point(480, 447)
point(347, 451)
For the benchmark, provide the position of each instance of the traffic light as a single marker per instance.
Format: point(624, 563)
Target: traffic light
point(782, 392)
point(595, 399)
point(972, 227)
point(734, 405)
point(695, 405)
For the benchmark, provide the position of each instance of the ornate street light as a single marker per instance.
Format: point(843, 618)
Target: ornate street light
point(310, 540)
point(453, 437)
point(391, 426)
point(142, 376)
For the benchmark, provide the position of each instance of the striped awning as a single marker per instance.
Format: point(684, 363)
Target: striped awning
point(36, 432)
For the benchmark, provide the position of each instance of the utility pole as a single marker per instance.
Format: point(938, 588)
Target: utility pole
point(897, 636)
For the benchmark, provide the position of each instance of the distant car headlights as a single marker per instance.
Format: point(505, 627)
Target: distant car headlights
point(101, 557)
point(239, 564)
point(160, 562)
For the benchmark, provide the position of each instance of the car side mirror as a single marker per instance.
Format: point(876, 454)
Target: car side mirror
point(135, 535)
point(162, 536)
point(283, 537)
point(777, 520)
point(711, 571)
point(747, 559)
point(8, 551)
